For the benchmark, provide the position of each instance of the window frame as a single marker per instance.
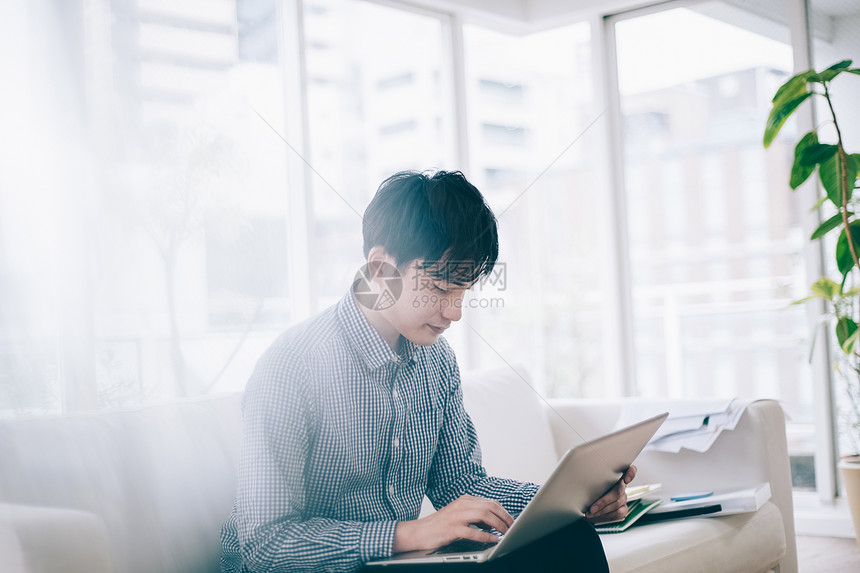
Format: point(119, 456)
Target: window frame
point(825, 434)
point(620, 318)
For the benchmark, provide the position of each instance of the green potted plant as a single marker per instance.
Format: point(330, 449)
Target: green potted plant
point(837, 170)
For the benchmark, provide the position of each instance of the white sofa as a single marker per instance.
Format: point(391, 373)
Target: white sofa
point(147, 489)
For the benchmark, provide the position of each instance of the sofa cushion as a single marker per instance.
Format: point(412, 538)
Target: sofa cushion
point(161, 478)
point(746, 542)
point(41, 539)
point(510, 419)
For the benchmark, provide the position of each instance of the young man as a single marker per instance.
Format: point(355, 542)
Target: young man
point(353, 416)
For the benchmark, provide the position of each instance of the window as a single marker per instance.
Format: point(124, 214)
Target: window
point(208, 174)
point(715, 243)
point(835, 39)
point(376, 105)
point(236, 282)
point(148, 260)
point(533, 150)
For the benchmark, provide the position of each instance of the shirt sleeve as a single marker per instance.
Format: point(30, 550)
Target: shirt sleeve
point(457, 469)
point(274, 533)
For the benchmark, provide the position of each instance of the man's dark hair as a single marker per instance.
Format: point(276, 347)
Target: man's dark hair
point(441, 219)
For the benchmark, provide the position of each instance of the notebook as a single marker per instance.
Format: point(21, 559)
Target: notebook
point(583, 475)
point(635, 510)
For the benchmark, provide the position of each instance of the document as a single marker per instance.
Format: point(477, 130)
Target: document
point(730, 501)
point(692, 424)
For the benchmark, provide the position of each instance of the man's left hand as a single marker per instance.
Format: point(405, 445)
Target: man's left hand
point(613, 505)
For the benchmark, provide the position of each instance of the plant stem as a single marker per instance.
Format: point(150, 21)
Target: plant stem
point(843, 182)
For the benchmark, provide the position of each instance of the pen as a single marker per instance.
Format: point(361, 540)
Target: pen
point(689, 496)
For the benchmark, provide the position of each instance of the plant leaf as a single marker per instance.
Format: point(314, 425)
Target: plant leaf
point(800, 173)
point(828, 226)
point(846, 334)
point(854, 71)
point(844, 260)
point(778, 115)
point(844, 328)
point(830, 172)
point(825, 288)
point(827, 75)
point(816, 153)
point(851, 342)
point(819, 203)
point(812, 345)
point(833, 71)
point(793, 88)
point(855, 158)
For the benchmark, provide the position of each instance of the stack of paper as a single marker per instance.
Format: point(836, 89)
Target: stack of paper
point(635, 492)
point(691, 425)
point(643, 511)
point(724, 502)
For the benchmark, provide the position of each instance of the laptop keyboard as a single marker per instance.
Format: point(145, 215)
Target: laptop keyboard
point(464, 546)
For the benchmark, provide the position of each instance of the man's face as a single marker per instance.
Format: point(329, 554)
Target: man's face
point(426, 307)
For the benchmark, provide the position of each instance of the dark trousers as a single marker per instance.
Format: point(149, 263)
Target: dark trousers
point(575, 548)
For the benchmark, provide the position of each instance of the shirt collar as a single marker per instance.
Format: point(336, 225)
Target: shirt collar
point(368, 344)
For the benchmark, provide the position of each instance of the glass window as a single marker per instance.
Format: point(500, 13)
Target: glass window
point(715, 243)
point(834, 33)
point(376, 105)
point(533, 153)
point(143, 219)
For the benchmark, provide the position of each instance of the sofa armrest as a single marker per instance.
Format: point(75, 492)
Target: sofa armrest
point(755, 451)
point(43, 540)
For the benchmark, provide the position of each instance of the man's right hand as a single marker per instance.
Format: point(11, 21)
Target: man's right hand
point(451, 523)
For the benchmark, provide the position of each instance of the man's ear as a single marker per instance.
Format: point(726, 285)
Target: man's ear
point(377, 254)
point(380, 264)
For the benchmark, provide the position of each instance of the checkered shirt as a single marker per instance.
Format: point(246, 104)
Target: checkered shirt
point(342, 439)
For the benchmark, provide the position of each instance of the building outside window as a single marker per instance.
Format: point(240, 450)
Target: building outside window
point(209, 174)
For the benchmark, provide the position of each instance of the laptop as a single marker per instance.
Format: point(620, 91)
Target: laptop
point(583, 475)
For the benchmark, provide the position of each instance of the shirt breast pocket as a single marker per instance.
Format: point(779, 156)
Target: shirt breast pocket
point(424, 426)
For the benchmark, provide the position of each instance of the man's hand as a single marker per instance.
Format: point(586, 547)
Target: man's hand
point(451, 523)
point(613, 505)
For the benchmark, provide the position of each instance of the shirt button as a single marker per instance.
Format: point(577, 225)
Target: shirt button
point(394, 393)
point(391, 490)
point(396, 442)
